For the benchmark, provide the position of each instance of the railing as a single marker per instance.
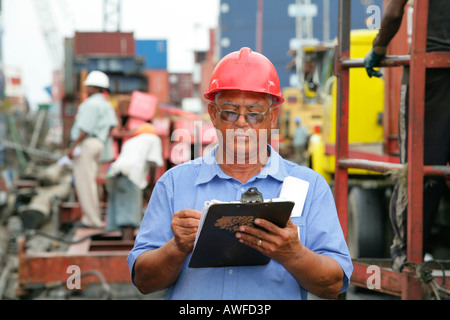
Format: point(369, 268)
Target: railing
point(404, 284)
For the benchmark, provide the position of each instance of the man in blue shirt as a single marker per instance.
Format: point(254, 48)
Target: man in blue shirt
point(300, 141)
point(308, 255)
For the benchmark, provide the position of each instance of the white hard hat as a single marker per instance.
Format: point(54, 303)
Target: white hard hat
point(97, 79)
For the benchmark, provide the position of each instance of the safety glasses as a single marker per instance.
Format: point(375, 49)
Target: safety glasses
point(250, 117)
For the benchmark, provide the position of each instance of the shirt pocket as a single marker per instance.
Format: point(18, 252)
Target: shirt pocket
point(300, 222)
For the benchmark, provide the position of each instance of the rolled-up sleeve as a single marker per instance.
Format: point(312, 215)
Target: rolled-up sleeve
point(324, 233)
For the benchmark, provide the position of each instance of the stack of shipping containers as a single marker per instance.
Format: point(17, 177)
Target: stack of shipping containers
point(111, 52)
point(237, 24)
point(130, 64)
point(155, 53)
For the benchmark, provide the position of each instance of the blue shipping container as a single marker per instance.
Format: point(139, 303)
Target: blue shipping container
point(127, 84)
point(154, 52)
point(122, 65)
point(238, 27)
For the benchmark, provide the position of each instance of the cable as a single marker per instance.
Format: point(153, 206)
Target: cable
point(33, 232)
point(105, 284)
point(106, 288)
point(425, 274)
point(442, 268)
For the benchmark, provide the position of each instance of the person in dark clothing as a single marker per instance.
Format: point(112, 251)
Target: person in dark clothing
point(437, 117)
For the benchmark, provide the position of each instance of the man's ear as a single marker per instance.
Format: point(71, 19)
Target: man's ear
point(274, 113)
point(212, 110)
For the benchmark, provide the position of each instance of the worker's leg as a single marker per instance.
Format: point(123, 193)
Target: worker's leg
point(111, 186)
point(436, 152)
point(128, 203)
point(437, 147)
point(85, 173)
point(397, 212)
point(128, 233)
point(299, 153)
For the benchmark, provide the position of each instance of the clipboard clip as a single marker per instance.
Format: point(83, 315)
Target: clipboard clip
point(252, 195)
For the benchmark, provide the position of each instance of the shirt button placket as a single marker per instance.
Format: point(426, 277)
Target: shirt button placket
point(230, 283)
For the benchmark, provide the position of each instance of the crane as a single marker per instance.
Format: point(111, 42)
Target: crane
point(111, 15)
point(50, 32)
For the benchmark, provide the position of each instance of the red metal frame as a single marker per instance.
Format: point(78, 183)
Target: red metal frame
point(102, 255)
point(343, 84)
point(358, 153)
point(404, 284)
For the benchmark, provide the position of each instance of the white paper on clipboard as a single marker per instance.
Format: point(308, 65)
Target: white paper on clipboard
point(295, 189)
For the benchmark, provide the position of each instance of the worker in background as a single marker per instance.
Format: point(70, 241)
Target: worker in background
point(300, 141)
point(94, 121)
point(127, 178)
point(437, 117)
point(308, 255)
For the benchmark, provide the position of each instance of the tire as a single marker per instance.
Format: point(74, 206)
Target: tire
point(365, 223)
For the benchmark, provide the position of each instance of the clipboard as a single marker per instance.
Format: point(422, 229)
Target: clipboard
point(216, 244)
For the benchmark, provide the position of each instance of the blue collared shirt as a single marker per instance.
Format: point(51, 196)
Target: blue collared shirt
point(190, 184)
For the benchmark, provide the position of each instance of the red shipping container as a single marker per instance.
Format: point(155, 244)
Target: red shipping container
point(181, 86)
point(104, 43)
point(158, 84)
point(207, 68)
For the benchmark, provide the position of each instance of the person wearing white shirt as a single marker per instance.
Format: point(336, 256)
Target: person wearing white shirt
point(127, 177)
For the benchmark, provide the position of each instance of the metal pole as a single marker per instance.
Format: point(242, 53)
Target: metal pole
point(37, 127)
point(389, 61)
point(299, 54)
point(343, 77)
point(416, 133)
point(259, 26)
point(326, 20)
point(105, 15)
point(412, 287)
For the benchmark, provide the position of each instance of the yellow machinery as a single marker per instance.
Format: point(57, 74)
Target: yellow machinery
point(306, 102)
point(366, 106)
point(367, 216)
point(293, 107)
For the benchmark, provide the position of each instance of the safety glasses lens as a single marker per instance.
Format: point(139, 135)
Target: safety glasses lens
point(254, 117)
point(250, 117)
point(229, 116)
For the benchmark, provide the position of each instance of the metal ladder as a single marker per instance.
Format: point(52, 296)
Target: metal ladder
point(403, 284)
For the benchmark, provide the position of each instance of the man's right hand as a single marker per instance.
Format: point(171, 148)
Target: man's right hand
point(70, 153)
point(158, 269)
point(184, 226)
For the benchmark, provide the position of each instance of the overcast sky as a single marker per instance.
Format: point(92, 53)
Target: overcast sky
point(183, 23)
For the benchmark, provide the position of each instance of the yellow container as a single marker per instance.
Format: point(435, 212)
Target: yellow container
point(366, 105)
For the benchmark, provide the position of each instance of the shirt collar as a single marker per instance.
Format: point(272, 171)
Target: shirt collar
point(209, 168)
point(97, 95)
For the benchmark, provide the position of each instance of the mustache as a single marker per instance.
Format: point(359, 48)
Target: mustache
point(241, 133)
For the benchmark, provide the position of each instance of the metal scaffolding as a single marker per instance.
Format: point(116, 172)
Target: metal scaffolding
point(405, 284)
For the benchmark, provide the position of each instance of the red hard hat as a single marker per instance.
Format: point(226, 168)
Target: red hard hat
point(247, 71)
